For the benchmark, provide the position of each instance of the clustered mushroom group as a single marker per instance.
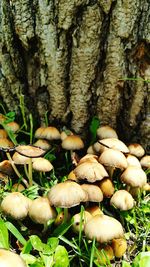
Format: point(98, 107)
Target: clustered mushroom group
point(90, 181)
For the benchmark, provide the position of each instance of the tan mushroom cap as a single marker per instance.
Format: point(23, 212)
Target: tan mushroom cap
point(113, 143)
point(94, 210)
point(40, 210)
point(85, 216)
point(134, 177)
point(89, 158)
point(91, 171)
point(3, 133)
point(14, 126)
point(5, 143)
point(133, 161)
point(145, 161)
point(49, 133)
point(122, 200)
point(2, 118)
point(10, 259)
point(30, 151)
point(106, 132)
point(41, 164)
point(103, 228)
point(65, 134)
point(44, 144)
point(19, 159)
point(136, 150)
point(94, 193)
point(71, 176)
point(66, 195)
point(113, 158)
point(17, 187)
point(16, 205)
point(72, 142)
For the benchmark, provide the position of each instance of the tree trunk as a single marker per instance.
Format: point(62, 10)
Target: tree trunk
point(73, 58)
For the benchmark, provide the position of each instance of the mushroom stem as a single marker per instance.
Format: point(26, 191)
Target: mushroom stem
point(30, 172)
point(16, 170)
point(65, 215)
point(111, 171)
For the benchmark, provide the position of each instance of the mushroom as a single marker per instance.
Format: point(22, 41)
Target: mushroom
point(133, 161)
point(91, 171)
point(3, 133)
point(100, 227)
point(49, 133)
point(94, 193)
point(88, 158)
point(16, 205)
point(5, 143)
point(44, 144)
point(113, 143)
point(9, 258)
point(106, 132)
point(79, 220)
point(107, 187)
point(40, 210)
point(6, 167)
point(66, 195)
point(42, 165)
point(91, 150)
point(72, 142)
point(113, 159)
point(145, 161)
point(136, 150)
point(18, 187)
point(119, 246)
point(122, 200)
point(13, 126)
point(134, 177)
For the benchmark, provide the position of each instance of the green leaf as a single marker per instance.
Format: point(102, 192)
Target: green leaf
point(27, 248)
point(4, 242)
point(53, 242)
point(15, 232)
point(142, 260)
point(125, 264)
point(48, 260)
point(61, 257)
point(28, 258)
point(38, 245)
point(94, 125)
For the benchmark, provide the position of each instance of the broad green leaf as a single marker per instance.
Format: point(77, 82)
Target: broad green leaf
point(125, 264)
point(61, 257)
point(28, 258)
point(4, 242)
point(142, 260)
point(53, 242)
point(48, 260)
point(15, 232)
point(39, 245)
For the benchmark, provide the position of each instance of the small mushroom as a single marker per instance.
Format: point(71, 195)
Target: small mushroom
point(3, 133)
point(88, 158)
point(49, 133)
point(42, 165)
point(113, 143)
point(72, 142)
point(16, 205)
point(91, 171)
point(136, 150)
point(134, 177)
point(14, 126)
point(94, 193)
point(122, 200)
point(133, 161)
point(40, 210)
point(104, 254)
point(106, 131)
point(9, 258)
point(44, 144)
point(119, 246)
point(145, 161)
point(66, 195)
point(94, 210)
point(100, 227)
point(80, 219)
point(107, 187)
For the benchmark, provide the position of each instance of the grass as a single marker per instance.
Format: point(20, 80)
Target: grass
point(59, 246)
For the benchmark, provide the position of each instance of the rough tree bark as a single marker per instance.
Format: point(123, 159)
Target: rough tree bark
point(71, 58)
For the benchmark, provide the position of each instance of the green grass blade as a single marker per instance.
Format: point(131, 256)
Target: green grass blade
point(4, 241)
point(15, 232)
